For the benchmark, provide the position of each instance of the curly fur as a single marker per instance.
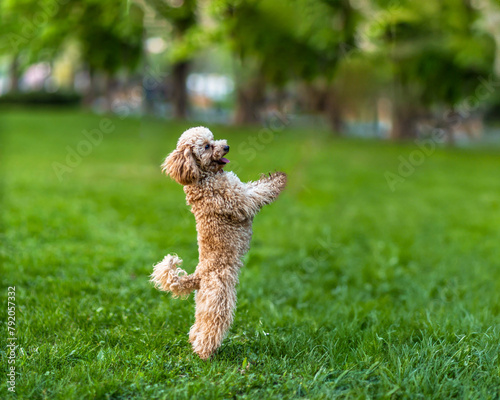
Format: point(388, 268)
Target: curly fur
point(224, 208)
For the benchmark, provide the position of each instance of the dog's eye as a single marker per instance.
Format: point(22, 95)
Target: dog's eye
point(207, 146)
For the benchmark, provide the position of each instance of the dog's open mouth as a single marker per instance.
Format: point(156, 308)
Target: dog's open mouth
point(222, 161)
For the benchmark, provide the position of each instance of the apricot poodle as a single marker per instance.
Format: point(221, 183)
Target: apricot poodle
point(224, 208)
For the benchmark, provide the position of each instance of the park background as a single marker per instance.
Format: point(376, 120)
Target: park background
point(375, 275)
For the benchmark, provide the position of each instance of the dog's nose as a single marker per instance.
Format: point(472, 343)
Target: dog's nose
point(226, 148)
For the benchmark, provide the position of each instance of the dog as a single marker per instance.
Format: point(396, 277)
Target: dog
point(224, 208)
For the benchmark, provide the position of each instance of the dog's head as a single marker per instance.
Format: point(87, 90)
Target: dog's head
point(197, 154)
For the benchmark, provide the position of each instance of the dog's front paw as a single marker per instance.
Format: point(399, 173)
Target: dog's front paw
point(279, 179)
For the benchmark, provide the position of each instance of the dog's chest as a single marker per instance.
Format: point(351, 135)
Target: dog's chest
point(212, 192)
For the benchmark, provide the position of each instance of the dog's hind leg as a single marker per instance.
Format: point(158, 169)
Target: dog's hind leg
point(215, 306)
point(168, 277)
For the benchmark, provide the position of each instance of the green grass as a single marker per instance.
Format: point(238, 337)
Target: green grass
point(350, 290)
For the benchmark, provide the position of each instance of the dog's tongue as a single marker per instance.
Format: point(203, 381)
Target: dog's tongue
point(224, 160)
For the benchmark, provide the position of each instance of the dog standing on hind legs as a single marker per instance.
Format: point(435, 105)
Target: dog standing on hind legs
point(224, 208)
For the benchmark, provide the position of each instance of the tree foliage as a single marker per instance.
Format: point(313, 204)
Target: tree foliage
point(439, 48)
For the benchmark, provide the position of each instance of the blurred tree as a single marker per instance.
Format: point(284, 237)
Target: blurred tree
point(114, 40)
point(181, 15)
point(108, 33)
point(329, 28)
point(20, 33)
point(438, 53)
point(275, 42)
point(260, 42)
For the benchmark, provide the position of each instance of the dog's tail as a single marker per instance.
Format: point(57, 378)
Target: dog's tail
point(168, 277)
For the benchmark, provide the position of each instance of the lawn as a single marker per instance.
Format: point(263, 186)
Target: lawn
point(350, 290)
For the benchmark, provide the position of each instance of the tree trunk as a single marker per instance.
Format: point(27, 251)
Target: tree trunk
point(91, 92)
point(334, 112)
point(404, 109)
point(179, 92)
point(280, 98)
point(404, 124)
point(451, 120)
point(14, 74)
point(110, 87)
point(249, 100)
point(310, 98)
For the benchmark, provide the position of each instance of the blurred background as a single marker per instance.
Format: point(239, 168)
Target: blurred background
point(393, 69)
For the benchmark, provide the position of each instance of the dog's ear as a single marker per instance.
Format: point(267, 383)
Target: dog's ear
point(181, 166)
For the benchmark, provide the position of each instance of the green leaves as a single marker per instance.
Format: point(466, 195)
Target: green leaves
point(438, 45)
